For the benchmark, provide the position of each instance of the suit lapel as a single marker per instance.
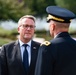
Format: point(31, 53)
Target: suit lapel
point(18, 57)
point(33, 52)
point(18, 52)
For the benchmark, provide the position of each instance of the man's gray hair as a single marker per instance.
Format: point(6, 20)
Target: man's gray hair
point(26, 16)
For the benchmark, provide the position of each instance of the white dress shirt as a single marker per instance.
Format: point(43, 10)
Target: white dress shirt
point(28, 49)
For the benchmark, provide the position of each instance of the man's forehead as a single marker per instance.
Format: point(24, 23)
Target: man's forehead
point(24, 19)
point(27, 21)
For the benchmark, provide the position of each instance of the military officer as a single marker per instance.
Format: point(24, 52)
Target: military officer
point(58, 56)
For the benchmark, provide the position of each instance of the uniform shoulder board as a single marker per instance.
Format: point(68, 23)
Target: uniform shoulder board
point(45, 43)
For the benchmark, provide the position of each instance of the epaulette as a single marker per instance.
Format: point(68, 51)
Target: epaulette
point(46, 43)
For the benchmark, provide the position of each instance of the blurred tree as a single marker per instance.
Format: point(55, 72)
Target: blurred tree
point(38, 7)
point(12, 9)
point(69, 4)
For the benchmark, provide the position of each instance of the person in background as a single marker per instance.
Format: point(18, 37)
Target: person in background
point(19, 57)
point(57, 56)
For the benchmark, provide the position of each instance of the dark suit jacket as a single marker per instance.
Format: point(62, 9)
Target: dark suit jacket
point(11, 61)
point(58, 58)
point(0, 66)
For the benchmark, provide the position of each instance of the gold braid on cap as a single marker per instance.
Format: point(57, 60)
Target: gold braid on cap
point(54, 18)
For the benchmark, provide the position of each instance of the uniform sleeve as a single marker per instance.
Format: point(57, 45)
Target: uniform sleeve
point(45, 61)
point(39, 61)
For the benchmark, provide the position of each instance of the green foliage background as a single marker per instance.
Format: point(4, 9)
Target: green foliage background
point(14, 9)
point(69, 4)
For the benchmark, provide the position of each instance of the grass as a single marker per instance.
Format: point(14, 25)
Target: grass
point(4, 41)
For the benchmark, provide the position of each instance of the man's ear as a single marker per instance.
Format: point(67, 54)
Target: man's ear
point(53, 27)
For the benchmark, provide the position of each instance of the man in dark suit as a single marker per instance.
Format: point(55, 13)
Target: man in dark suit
point(12, 54)
point(58, 56)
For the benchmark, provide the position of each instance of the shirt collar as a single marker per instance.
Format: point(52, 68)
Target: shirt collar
point(57, 34)
point(21, 43)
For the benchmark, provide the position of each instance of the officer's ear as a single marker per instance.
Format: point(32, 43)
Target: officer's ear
point(53, 26)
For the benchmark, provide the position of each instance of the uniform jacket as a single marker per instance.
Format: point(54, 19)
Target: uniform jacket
point(57, 58)
point(11, 61)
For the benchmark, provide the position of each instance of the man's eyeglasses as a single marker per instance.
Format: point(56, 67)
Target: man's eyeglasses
point(28, 26)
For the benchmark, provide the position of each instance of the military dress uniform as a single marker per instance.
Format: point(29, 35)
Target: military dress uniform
point(57, 56)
